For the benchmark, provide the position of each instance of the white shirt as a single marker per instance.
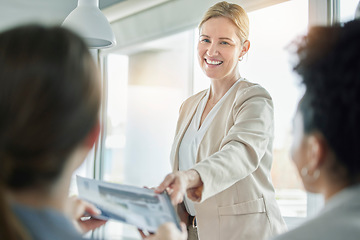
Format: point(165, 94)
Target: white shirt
point(193, 136)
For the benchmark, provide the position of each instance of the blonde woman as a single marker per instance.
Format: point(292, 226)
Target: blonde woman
point(222, 151)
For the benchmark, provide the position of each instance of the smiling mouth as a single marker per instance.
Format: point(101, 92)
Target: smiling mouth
point(210, 62)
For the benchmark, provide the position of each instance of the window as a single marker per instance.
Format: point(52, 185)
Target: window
point(146, 85)
point(347, 10)
point(271, 30)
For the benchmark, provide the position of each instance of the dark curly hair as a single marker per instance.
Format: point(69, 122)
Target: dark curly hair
point(329, 64)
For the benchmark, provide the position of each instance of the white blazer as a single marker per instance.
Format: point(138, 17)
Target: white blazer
point(234, 162)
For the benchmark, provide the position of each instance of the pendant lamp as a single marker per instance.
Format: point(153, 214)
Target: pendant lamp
point(89, 22)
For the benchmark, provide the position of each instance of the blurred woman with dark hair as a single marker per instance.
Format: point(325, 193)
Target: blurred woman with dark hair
point(49, 104)
point(326, 141)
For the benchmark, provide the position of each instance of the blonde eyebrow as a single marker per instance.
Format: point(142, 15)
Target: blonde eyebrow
point(222, 38)
point(225, 38)
point(203, 35)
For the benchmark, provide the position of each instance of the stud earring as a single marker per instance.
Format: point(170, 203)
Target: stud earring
point(305, 173)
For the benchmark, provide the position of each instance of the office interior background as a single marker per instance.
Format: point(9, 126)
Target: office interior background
point(153, 68)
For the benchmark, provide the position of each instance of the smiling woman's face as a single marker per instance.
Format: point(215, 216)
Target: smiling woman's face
point(219, 48)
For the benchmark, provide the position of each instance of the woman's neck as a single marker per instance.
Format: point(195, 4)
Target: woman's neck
point(39, 197)
point(219, 87)
point(55, 195)
point(330, 184)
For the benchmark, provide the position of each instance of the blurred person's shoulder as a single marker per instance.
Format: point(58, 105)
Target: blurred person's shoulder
point(46, 223)
point(339, 219)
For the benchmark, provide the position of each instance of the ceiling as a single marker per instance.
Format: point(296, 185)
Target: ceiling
point(15, 12)
point(108, 3)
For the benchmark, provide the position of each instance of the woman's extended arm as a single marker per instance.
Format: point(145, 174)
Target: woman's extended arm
point(242, 148)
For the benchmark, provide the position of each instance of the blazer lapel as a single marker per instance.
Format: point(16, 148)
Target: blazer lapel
point(182, 129)
point(216, 129)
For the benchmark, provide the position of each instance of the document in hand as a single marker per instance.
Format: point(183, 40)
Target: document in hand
point(132, 205)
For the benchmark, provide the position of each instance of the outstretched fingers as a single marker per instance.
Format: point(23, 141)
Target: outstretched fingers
point(175, 184)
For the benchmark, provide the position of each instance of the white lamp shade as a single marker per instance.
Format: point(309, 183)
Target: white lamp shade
point(89, 22)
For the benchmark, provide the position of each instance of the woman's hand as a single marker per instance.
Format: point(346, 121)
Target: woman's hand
point(80, 212)
point(167, 231)
point(181, 182)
